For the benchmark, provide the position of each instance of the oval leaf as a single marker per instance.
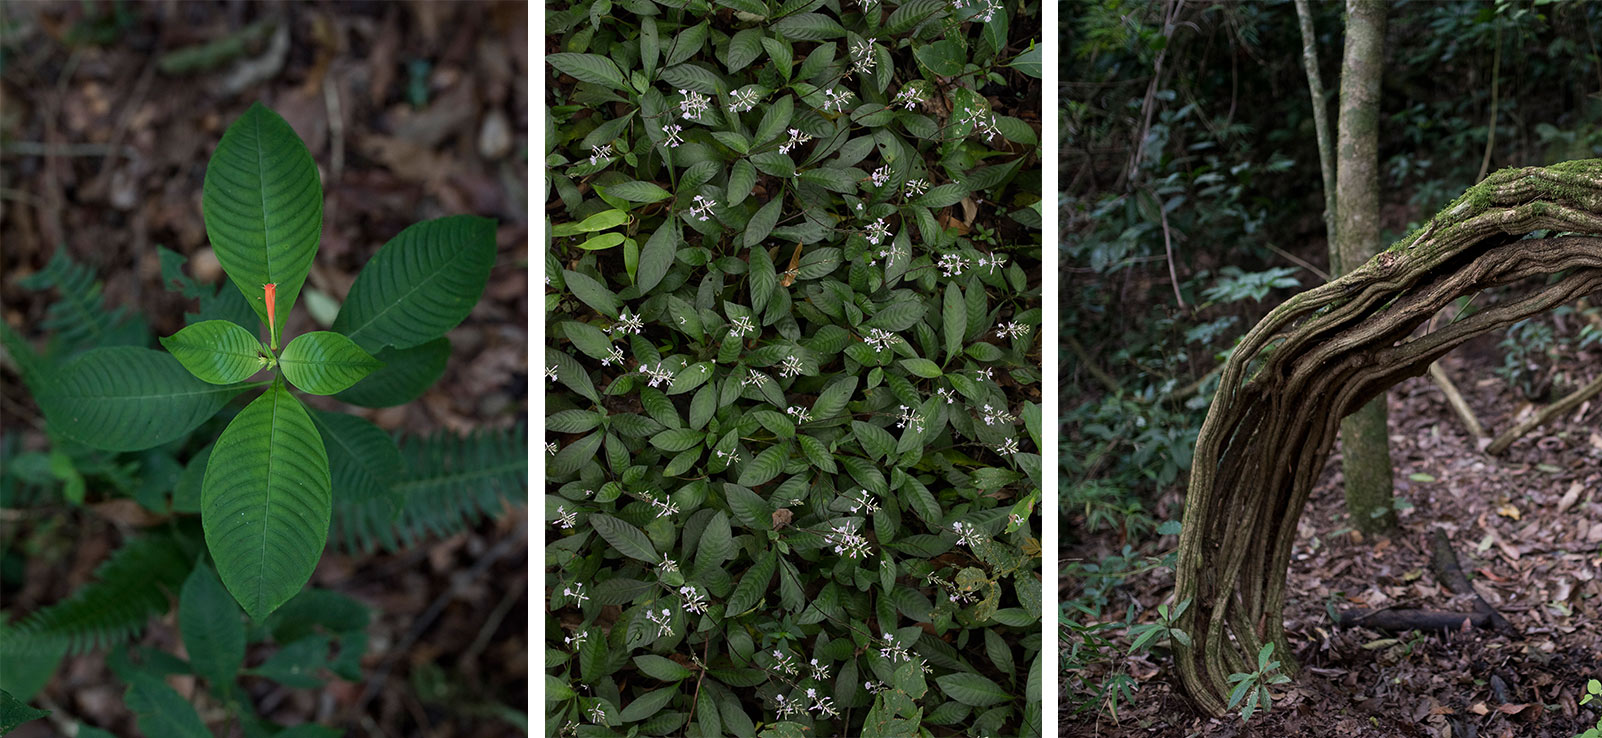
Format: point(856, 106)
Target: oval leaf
point(266, 501)
point(216, 351)
point(126, 398)
point(213, 633)
point(420, 284)
point(323, 363)
point(627, 539)
point(405, 374)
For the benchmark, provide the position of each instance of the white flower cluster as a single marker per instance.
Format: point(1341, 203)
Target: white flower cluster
point(790, 367)
point(865, 503)
point(799, 413)
point(863, 53)
point(657, 376)
point(732, 456)
point(985, 373)
point(982, 122)
point(701, 208)
point(967, 534)
point(908, 98)
point(754, 377)
point(880, 339)
point(782, 662)
point(565, 517)
point(894, 651)
point(796, 139)
point(550, 372)
point(673, 139)
point(877, 231)
point(694, 601)
point(614, 355)
point(597, 714)
point(550, 447)
point(880, 176)
point(598, 153)
point(910, 417)
point(948, 394)
point(1008, 447)
point(628, 324)
point(576, 592)
point(664, 624)
point(663, 509)
point(693, 104)
point(577, 639)
point(744, 100)
point(824, 705)
point(875, 687)
point(951, 265)
point(994, 262)
point(1011, 330)
point(846, 541)
point(819, 672)
point(785, 707)
point(836, 98)
point(994, 415)
point(917, 187)
point(668, 565)
point(742, 325)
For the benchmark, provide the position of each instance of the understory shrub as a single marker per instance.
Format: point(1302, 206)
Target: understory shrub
point(792, 317)
point(236, 500)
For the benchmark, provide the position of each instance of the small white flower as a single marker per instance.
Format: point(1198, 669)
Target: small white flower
point(732, 456)
point(668, 565)
point(672, 131)
point(967, 535)
point(846, 541)
point(865, 503)
point(917, 187)
point(880, 339)
point(576, 592)
point(577, 639)
point(754, 378)
point(571, 728)
point(663, 509)
point(796, 139)
point(819, 672)
point(948, 394)
point(982, 122)
point(550, 372)
point(628, 324)
point(836, 98)
point(566, 518)
point(880, 176)
point(877, 231)
point(996, 415)
point(657, 376)
point(951, 265)
point(550, 447)
point(614, 355)
point(894, 651)
point(1008, 447)
point(863, 61)
point(824, 705)
point(694, 601)
point(743, 100)
point(701, 208)
point(785, 707)
point(910, 417)
point(693, 104)
point(790, 367)
point(799, 413)
point(742, 325)
point(1011, 330)
point(988, 12)
point(783, 663)
point(664, 624)
point(985, 373)
point(598, 153)
point(923, 665)
point(597, 714)
point(874, 687)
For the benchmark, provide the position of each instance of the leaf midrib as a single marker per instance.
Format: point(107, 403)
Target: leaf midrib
point(267, 510)
point(438, 273)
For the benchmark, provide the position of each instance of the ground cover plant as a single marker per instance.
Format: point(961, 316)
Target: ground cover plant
point(175, 445)
point(793, 361)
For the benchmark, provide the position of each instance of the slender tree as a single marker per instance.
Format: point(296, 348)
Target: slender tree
point(1365, 438)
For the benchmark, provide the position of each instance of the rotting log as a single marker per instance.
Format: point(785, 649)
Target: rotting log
point(1323, 354)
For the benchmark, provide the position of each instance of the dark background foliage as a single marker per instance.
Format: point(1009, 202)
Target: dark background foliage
point(411, 112)
point(1227, 178)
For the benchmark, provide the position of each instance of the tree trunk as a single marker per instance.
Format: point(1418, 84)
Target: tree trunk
point(1365, 438)
point(1328, 351)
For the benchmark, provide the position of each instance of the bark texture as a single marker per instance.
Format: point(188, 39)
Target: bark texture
point(1325, 353)
point(1365, 436)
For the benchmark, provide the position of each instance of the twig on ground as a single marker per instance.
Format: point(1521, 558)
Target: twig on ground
point(1443, 561)
point(1454, 398)
point(1543, 417)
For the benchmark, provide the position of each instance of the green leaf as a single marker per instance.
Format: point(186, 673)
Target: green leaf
point(364, 464)
point(764, 467)
point(266, 501)
point(162, 711)
point(125, 398)
point(647, 704)
point(744, 48)
point(602, 242)
point(761, 224)
point(14, 712)
point(748, 507)
point(833, 398)
point(657, 256)
point(642, 192)
point(213, 634)
point(1028, 62)
point(687, 44)
point(752, 585)
point(666, 670)
point(954, 320)
point(972, 690)
point(597, 222)
point(419, 285)
point(405, 375)
point(592, 68)
point(216, 351)
point(808, 27)
point(941, 196)
point(323, 362)
point(742, 177)
point(593, 293)
point(717, 542)
point(627, 539)
point(263, 206)
point(922, 367)
point(944, 57)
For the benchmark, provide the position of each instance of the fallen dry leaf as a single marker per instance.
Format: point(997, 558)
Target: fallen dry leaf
point(1508, 511)
point(1569, 498)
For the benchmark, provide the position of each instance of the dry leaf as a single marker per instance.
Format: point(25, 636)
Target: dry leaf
point(1479, 708)
point(1508, 511)
point(1569, 498)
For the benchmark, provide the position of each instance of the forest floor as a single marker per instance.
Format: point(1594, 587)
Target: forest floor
point(411, 111)
point(1527, 528)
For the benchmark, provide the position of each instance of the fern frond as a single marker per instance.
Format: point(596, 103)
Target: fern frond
point(80, 319)
point(452, 482)
point(127, 590)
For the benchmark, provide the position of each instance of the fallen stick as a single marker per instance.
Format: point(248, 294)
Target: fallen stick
point(1455, 399)
point(1539, 419)
point(1443, 561)
point(1398, 621)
